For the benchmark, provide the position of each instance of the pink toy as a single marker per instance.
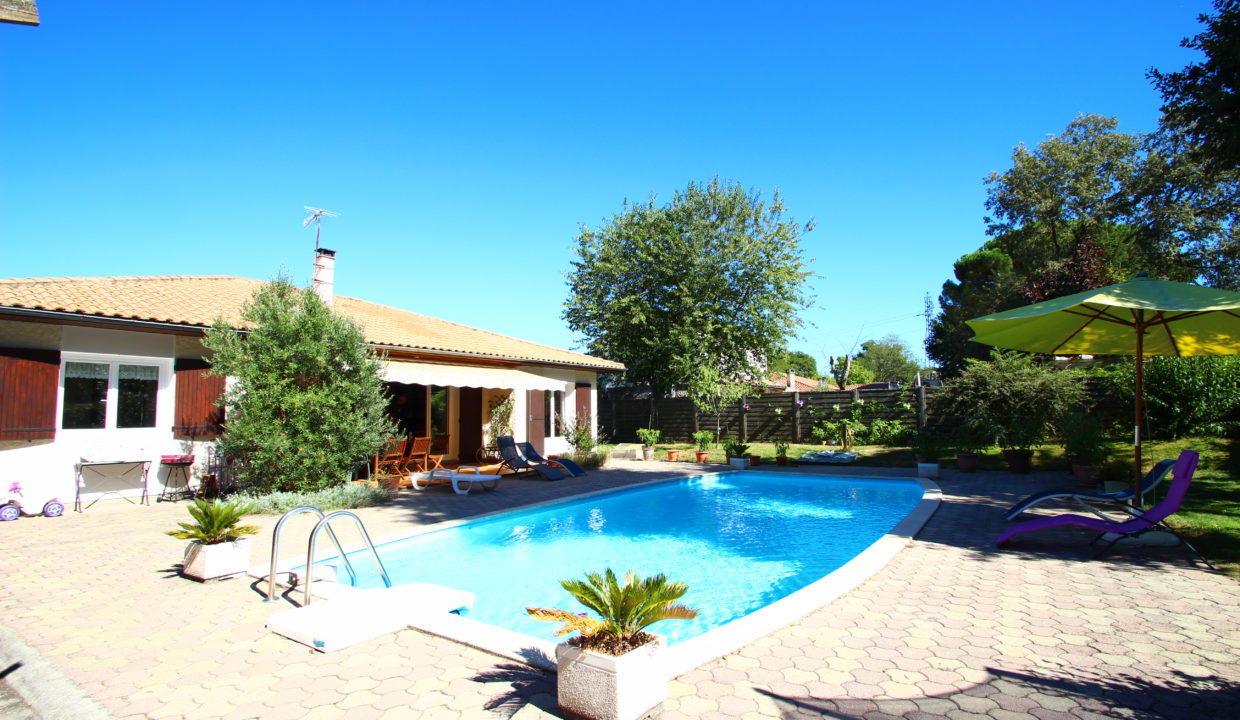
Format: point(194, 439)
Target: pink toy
point(15, 504)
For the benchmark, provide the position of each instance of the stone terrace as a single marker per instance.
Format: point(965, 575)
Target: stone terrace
point(951, 628)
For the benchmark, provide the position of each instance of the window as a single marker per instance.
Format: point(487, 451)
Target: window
point(553, 408)
point(99, 395)
point(439, 410)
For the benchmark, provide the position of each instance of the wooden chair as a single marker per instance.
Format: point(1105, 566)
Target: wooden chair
point(393, 461)
point(439, 448)
point(419, 455)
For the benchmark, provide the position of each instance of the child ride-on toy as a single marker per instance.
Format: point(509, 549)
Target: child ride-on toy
point(15, 504)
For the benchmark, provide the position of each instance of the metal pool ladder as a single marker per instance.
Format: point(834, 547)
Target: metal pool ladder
point(324, 523)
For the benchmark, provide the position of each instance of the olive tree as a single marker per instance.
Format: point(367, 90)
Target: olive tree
point(307, 401)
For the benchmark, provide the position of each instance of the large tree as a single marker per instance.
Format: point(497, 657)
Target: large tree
point(1202, 101)
point(889, 359)
point(801, 363)
point(692, 294)
point(307, 401)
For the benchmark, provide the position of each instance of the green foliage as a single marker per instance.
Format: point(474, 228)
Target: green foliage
point(703, 439)
point(216, 522)
point(338, 497)
point(781, 448)
point(887, 360)
point(1083, 436)
point(501, 416)
point(929, 444)
point(692, 292)
point(1183, 396)
point(801, 363)
point(883, 431)
point(592, 460)
point(624, 610)
point(308, 401)
point(732, 447)
point(649, 436)
point(1202, 101)
point(969, 438)
point(1012, 399)
point(579, 434)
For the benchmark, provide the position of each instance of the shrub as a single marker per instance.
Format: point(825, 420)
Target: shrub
point(1012, 399)
point(1183, 396)
point(340, 497)
point(579, 434)
point(703, 439)
point(308, 401)
point(649, 436)
point(884, 432)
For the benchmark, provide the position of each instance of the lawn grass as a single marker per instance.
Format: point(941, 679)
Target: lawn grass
point(1210, 517)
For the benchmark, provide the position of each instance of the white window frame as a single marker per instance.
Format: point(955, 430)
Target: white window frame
point(164, 396)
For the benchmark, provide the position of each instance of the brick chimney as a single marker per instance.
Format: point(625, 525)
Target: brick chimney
point(324, 274)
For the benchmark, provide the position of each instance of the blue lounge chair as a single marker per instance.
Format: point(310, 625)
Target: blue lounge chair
point(513, 460)
point(528, 451)
point(1148, 483)
point(1139, 522)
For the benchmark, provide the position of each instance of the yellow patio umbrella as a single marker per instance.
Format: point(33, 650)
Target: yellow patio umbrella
point(1139, 317)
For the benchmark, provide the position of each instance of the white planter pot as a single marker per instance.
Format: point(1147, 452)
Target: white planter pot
point(208, 562)
point(738, 463)
point(603, 687)
point(927, 470)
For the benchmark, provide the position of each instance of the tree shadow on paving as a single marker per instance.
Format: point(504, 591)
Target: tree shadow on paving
point(527, 686)
point(1133, 697)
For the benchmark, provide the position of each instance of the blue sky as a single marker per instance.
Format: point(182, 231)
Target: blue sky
point(464, 143)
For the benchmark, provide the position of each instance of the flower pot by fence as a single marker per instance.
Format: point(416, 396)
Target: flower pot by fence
point(673, 455)
point(755, 460)
point(702, 456)
point(1083, 474)
point(1019, 461)
point(967, 462)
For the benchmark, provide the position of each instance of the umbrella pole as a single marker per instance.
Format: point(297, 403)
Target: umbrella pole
point(1139, 500)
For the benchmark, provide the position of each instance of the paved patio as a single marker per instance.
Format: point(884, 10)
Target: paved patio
point(951, 628)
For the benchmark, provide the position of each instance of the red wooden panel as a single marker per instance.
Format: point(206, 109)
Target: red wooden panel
point(534, 430)
point(583, 401)
point(28, 385)
point(196, 411)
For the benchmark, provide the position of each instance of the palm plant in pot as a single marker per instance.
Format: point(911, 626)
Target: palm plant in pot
point(218, 545)
point(609, 670)
point(702, 438)
point(737, 453)
point(650, 438)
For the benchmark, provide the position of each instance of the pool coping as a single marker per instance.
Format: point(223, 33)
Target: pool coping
point(695, 652)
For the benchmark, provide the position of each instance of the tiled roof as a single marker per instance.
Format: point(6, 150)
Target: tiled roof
point(197, 300)
point(779, 380)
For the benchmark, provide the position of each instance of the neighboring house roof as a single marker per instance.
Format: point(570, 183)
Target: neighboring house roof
point(779, 381)
point(196, 301)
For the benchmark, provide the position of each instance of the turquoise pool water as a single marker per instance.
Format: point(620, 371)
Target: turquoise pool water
point(739, 540)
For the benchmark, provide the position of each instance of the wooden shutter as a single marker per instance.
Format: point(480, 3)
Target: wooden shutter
point(197, 392)
point(534, 429)
point(28, 385)
point(583, 400)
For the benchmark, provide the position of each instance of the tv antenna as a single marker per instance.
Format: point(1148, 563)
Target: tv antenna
point(316, 217)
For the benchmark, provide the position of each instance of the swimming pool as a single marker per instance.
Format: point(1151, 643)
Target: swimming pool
point(739, 540)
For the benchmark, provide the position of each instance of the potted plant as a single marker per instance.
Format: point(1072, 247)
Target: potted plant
point(703, 438)
point(781, 452)
point(218, 545)
point(649, 438)
point(927, 447)
point(607, 671)
point(1017, 435)
point(1084, 442)
point(673, 455)
point(969, 443)
point(736, 452)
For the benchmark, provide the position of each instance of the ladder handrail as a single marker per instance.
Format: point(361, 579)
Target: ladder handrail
point(325, 522)
point(275, 549)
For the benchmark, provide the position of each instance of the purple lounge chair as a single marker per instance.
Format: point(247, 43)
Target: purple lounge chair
point(1140, 522)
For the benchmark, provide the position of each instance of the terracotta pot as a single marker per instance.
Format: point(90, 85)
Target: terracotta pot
point(1083, 474)
point(673, 455)
point(1019, 461)
point(781, 459)
point(967, 461)
point(755, 460)
point(702, 455)
point(390, 483)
